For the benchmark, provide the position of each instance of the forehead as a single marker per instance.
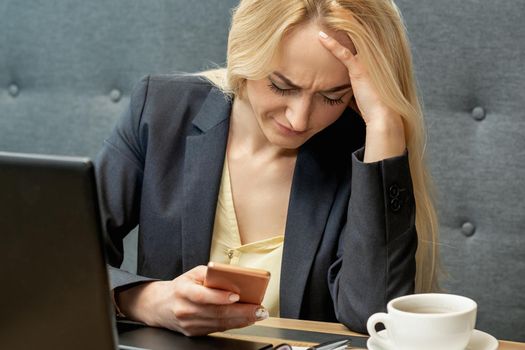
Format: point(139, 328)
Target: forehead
point(302, 58)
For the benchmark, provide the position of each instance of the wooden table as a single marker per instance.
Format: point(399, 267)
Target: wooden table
point(255, 333)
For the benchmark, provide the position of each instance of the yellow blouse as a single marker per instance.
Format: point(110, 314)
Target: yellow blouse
point(226, 245)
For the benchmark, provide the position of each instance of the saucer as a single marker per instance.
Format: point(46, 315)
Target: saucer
point(478, 341)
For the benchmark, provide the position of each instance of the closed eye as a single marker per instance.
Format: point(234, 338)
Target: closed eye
point(331, 101)
point(280, 91)
point(285, 92)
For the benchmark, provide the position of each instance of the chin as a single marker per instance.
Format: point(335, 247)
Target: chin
point(290, 143)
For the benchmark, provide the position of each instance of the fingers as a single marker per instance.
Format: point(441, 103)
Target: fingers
point(199, 294)
point(196, 310)
point(247, 312)
point(223, 317)
point(250, 312)
point(193, 319)
point(190, 286)
point(197, 274)
point(237, 314)
point(340, 51)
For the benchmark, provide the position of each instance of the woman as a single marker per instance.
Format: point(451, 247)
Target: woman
point(268, 167)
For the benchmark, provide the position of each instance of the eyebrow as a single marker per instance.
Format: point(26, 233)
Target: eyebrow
point(292, 85)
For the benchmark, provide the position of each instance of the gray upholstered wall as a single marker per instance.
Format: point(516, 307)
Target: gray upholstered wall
point(470, 61)
point(67, 68)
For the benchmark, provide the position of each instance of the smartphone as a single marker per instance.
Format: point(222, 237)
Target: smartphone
point(250, 284)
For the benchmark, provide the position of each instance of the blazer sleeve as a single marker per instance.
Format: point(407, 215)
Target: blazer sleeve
point(376, 253)
point(119, 171)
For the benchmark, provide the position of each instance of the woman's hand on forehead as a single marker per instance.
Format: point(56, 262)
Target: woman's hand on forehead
point(384, 127)
point(368, 101)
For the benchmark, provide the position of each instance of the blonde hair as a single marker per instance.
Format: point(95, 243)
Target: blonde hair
point(377, 30)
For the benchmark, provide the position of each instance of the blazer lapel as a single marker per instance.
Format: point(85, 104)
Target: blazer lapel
point(204, 159)
point(311, 197)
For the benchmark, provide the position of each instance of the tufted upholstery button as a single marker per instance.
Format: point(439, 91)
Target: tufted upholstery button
point(115, 95)
point(468, 229)
point(478, 113)
point(13, 90)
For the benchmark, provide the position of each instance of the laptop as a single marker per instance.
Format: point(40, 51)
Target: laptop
point(54, 292)
point(54, 289)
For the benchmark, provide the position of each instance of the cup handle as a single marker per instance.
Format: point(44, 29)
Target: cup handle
point(376, 318)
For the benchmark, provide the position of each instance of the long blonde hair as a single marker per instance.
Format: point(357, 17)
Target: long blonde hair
point(377, 30)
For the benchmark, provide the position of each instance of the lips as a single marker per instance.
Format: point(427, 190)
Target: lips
point(287, 131)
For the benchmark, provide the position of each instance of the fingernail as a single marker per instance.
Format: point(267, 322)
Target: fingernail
point(261, 314)
point(233, 298)
point(323, 35)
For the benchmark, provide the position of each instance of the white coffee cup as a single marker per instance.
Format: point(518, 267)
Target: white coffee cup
point(429, 321)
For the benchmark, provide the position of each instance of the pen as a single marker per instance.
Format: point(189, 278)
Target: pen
point(330, 345)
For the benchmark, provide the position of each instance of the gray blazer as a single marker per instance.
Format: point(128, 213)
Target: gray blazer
point(350, 237)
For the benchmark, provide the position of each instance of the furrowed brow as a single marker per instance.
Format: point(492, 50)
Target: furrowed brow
point(295, 86)
point(339, 88)
point(286, 80)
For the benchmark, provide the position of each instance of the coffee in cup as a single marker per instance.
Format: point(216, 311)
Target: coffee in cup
point(429, 321)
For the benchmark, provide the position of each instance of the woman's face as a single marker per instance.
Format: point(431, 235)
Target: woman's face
point(307, 90)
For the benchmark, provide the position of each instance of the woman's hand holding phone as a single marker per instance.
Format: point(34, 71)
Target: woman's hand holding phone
point(249, 283)
point(185, 305)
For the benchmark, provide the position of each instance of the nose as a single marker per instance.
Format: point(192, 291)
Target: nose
point(298, 113)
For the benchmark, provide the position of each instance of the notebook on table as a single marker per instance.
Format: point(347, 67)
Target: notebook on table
point(54, 290)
